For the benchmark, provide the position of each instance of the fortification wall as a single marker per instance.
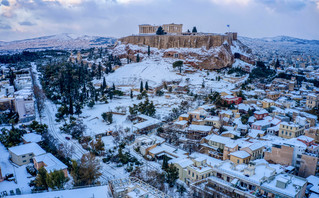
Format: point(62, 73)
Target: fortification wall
point(177, 41)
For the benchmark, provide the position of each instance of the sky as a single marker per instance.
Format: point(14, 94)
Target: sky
point(20, 19)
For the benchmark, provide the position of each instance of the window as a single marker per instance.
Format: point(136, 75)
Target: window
point(23, 156)
point(176, 55)
point(238, 161)
point(24, 161)
point(192, 174)
point(30, 154)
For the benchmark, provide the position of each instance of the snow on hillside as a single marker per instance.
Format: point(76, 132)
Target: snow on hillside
point(153, 71)
point(59, 41)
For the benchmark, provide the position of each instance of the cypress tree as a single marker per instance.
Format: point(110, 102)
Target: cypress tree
point(113, 87)
point(131, 94)
point(146, 86)
point(148, 50)
point(138, 58)
point(104, 84)
point(141, 87)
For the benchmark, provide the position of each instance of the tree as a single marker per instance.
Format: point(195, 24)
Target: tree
point(178, 64)
point(160, 31)
point(56, 179)
point(91, 104)
point(113, 87)
point(107, 117)
point(87, 171)
point(165, 162)
point(194, 29)
point(141, 87)
point(171, 175)
point(97, 146)
point(41, 179)
point(277, 64)
point(148, 50)
point(131, 94)
point(138, 58)
point(103, 84)
point(146, 86)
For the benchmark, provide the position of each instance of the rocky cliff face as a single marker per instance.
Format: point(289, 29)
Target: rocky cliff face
point(203, 52)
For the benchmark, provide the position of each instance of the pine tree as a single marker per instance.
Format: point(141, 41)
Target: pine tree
point(138, 58)
point(148, 50)
point(41, 179)
point(141, 87)
point(194, 29)
point(146, 86)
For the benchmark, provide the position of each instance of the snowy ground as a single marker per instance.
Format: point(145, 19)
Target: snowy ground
point(155, 70)
point(23, 178)
point(96, 192)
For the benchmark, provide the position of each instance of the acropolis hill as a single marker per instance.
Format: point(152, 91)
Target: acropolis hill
point(175, 38)
point(216, 48)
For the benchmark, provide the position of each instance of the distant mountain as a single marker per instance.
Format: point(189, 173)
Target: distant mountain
point(60, 41)
point(281, 45)
point(288, 39)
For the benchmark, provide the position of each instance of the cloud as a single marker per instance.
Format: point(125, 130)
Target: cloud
point(256, 18)
point(5, 3)
point(26, 23)
point(5, 26)
point(285, 5)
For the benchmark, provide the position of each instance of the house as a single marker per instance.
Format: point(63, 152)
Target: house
point(50, 163)
point(212, 121)
point(169, 151)
point(181, 124)
point(145, 143)
point(259, 115)
point(184, 117)
point(145, 124)
point(312, 101)
point(255, 150)
point(240, 157)
point(313, 132)
point(198, 114)
point(290, 130)
point(197, 132)
point(261, 125)
point(24, 154)
point(273, 95)
point(254, 133)
point(285, 185)
point(232, 99)
point(31, 137)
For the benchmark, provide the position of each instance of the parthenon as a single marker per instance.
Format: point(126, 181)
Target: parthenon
point(168, 28)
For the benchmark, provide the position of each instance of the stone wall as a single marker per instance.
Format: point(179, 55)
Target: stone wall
point(177, 41)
